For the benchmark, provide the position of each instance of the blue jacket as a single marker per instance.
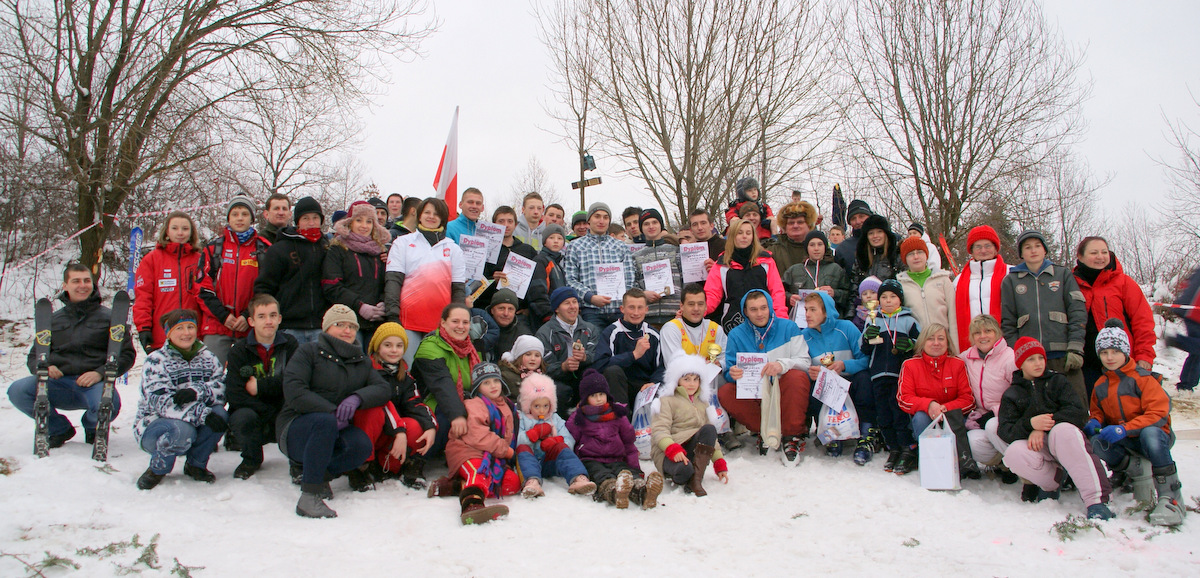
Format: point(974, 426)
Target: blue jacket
point(837, 336)
point(460, 226)
point(783, 341)
point(882, 362)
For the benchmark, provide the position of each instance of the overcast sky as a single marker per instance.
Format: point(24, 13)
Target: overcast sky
point(1142, 58)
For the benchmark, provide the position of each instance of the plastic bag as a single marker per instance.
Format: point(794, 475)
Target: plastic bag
point(938, 456)
point(642, 414)
point(837, 425)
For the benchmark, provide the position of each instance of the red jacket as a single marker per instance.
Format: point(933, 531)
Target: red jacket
point(167, 279)
point(1116, 294)
point(925, 379)
point(228, 272)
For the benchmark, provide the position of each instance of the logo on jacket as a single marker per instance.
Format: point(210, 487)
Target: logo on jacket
point(1021, 289)
point(445, 251)
point(1054, 285)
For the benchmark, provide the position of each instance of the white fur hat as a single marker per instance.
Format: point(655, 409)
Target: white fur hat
point(685, 365)
point(524, 344)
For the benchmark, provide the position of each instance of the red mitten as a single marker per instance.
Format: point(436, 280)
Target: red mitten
point(538, 432)
point(524, 448)
point(674, 450)
point(552, 446)
point(720, 466)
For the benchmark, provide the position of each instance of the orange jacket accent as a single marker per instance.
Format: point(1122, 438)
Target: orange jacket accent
point(1131, 397)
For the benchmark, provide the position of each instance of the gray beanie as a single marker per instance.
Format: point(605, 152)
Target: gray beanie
point(1030, 234)
point(598, 206)
point(240, 201)
point(553, 229)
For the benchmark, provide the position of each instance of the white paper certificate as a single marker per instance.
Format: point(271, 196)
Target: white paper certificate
point(657, 277)
point(519, 271)
point(691, 262)
point(610, 280)
point(750, 385)
point(798, 310)
point(495, 237)
point(475, 252)
point(831, 388)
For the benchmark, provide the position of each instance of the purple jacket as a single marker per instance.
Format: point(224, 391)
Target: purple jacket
point(604, 441)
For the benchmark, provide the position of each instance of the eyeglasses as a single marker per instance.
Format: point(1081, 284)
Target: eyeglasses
point(345, 325)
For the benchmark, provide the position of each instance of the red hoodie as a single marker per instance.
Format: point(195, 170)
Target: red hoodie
point(227, 279)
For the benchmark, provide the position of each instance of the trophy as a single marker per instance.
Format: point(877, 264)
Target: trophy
point(872, 311)
point(827, 359)
point(714, 351)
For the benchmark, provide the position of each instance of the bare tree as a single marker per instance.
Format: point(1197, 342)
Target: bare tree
point(347, 182)
point(689, 96)
point(532, 179)
point(1183, 172)
point(563, 29)
point(113, 85)
point(1062, 202)
point(956, 102)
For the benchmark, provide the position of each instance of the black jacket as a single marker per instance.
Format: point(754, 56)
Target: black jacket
point(79, 338)
point(324, 373)
point(509, 335)
point(548, 275)
point(353, 279)
point(291, 272)
point(244, 363)
point(1051, 393)
point(408, 401)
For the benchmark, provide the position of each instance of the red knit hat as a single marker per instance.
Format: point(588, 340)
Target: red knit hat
point(913, 244)
point(982, 233)
point(1025, 347)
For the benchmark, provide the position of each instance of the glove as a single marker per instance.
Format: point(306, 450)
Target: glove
point(538, 432)
point(673, 450)
point(1074, 361)
point(904, 343)
point(247, 371)
point(552, 446)
point(345, 410)
point(871, 332)
point(216, 423)
point(370, 312)
point(1092, 427)
point(185, 395)
point(146, 338)
point(1112, 434)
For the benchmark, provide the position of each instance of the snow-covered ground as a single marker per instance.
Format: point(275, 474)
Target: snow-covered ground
point(825, 516)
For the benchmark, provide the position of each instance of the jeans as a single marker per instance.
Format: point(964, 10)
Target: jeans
point(314, 440)
point(414, 339)
point(1189, 375)
point(166, 438)
point(64, 394)
point(920, 421)
point(303, 335)
point(566, 465)
point(598, 318)
point(1153, 443)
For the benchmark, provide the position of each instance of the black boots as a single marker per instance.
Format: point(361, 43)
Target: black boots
point(967, 468)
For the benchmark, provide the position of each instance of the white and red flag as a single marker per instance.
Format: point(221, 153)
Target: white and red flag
point(446, 181)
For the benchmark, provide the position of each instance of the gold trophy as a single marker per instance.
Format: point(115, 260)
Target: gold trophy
point(714, 351)
point(827, 359)
point(872, 311)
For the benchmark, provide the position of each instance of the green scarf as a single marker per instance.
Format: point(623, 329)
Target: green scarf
point(921, 277)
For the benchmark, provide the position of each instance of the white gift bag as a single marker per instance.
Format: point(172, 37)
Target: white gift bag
point(837, 425)
point(938, 457)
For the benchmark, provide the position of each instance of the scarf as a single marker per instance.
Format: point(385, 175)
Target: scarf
point(492, 466)
point(313, 235)
point(962, 296)
point(243, 236)
point(360, 243)
point(598, 413)
point(920, 277)
point(741, 256)
point(464, 349)
point(189, 353)
point(433, 236)
point(1088, 274)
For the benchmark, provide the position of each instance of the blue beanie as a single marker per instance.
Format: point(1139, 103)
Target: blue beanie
point(561, 294)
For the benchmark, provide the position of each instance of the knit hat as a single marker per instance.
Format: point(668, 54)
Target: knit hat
point(389, 329)
point(534, 387)
point(338, 314)
point(483, 372)
point(871, 283)
point(240, 201)
point(1028, 234)
point(982, 233)
point(504, 296)
point(1113, 336)
point(561, 294)
point(308, 205)
point(553, 229)
point(748, 207)
point(598, 206)
point(918, 227)
point(377, 203)
point(337, 216)
point(815, 235)
point(362, 209)
point(651, 213)
point(913, 244)
point(578, 217)
point(592, 382)
point(876, 222)
point(893, 286)
point(856, 207)
point(744, 184)
point(524, 344)
point(1025, 347)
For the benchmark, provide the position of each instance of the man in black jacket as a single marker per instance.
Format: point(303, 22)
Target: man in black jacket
point(503, 309)
point(291, 272)
point(78, 347)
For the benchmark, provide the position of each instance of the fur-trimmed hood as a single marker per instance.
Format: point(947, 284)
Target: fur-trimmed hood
point(684, 365)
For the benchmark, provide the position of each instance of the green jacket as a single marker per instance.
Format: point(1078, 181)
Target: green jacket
point(438, 370)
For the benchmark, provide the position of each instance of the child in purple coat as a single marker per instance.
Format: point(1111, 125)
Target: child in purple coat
point(604, 443)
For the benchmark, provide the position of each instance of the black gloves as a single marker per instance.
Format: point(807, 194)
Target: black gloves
point(216, 423)
point(185, 395)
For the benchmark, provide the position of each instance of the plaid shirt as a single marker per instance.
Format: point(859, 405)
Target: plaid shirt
point(580, 259)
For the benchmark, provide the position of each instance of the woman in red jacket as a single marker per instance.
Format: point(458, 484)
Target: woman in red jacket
point(1110, 293)
point(167, 279)
point(935, 384)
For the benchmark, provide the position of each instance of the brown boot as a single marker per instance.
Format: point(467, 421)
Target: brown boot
point(474, 511)
point(622, 489)
point(653, 487)
point(445, 487)
point(703, 454)
point(607, 492)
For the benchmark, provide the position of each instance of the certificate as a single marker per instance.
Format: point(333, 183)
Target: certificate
point(691, 261)
point(610, 280)
point(798, 311)
point(657, 277)
point(635, 247)
point(495, 237)
point(475, 252)
point(750, 385)
point(519, 271)
point(830, 388)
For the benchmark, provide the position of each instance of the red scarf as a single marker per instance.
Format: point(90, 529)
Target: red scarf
point(464, 349)
point(962, 300)
point(313, 235)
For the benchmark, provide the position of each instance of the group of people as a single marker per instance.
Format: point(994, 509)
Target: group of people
point(363, 348)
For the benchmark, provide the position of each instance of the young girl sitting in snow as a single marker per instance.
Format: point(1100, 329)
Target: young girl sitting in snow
point(543, 442)
point(683, 431)
point(525, 359)
point(481, 456)
point(604, 443)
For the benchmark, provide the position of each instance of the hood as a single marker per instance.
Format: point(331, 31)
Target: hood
point(681, 366)
point(534, 386)
point(742, 305)
point(831, 313)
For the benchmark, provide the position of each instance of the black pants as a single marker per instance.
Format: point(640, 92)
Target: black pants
point(619, 387)
point(568, 397)
point(600, 471)
point(889, 418)
point(313, 440)
point(252, 431)
point(680, 472)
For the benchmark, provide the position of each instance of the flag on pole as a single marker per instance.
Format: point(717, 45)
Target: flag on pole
point(446, 181)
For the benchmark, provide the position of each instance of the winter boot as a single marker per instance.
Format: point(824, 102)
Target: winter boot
point(834, 449)
point(622, 489)
point(57, 440)
point(1137, 472)
point(651, 488)
point(878, 445)
point(1099, 512)
point(1169, 510)
point(793, 448)
point(474, 511)
point(148, 480)
point(606, 492)
point(296, 471)
point(967, 468)
point(890, 464)
point(198, 473)
point(582, 486)
point(1030, 492)
point(862, 451)
point(1006, 476)
point(446, 487)
point(311, 505)
point(533, 489)
point(906, 463)
point(246, 469)
point(729, 441)
point(360, 480)
point(703, 455)
point(412, 473)
point(231, 442)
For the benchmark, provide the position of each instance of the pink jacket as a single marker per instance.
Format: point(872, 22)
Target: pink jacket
point(989, 378)
point(479, 437)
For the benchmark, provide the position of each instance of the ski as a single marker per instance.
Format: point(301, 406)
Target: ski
point(118, 332)
point(42, 312)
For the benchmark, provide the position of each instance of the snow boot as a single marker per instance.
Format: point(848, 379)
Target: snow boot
point(246, 469)
point(1043, 495)
point(532, 489)
point(862, 451)
point(700, 459)
point(875, 435)
point(1135, 476)
point(360, 480)
point(89, 436)
point(1169, 510)
point(581, 486)
point(446, 487)
point(651, 487)
point(296, 471)
point(606, 492)
point(890, 464)
point(198, 473)
point(412, 473)
point(760, 445)
point(311, 505)
point(57, 440)
point(622, 489)
point(907, 462)
point(148, 480)
point(1099, 512)
point(729, 441)
point(474, 511)
point(967, 467)
point(1007, 477)
point(1029, 492)
point(834, 449)
point(793, 448)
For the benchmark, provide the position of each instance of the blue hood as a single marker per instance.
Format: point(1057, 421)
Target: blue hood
point(831, 313)
point(742, 306)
